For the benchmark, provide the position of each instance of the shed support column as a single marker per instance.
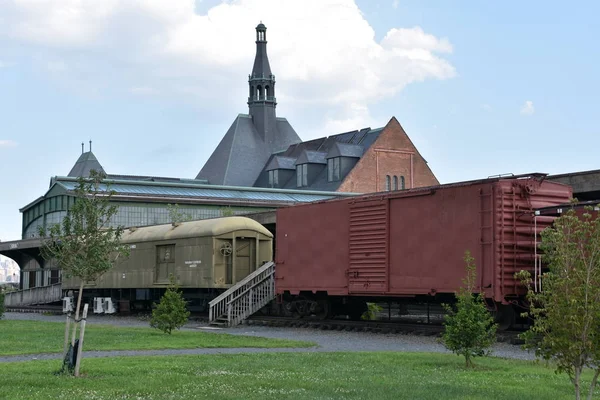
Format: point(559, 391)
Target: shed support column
point(233, 257)
point(256, 254)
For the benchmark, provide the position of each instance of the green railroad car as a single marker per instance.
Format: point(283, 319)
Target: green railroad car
point(206, 257)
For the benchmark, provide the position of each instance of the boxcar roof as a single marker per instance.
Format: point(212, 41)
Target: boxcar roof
point(188, 229)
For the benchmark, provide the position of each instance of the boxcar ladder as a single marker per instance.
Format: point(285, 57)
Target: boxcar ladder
point(244, 298)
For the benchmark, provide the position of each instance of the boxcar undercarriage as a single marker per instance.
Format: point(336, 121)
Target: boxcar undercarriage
point(423, 308)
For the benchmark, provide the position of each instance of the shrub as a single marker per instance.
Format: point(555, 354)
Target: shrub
point(470, 329)
point(372, 310)
point(171, 312)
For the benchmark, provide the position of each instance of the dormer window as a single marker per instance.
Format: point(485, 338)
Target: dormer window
point(333, 169)
point(273, 178)
point(302, 175)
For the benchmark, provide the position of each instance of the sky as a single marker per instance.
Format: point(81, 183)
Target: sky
point(482, 88)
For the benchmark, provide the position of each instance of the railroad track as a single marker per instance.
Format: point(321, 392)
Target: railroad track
point(383, 327)
point(57, 310)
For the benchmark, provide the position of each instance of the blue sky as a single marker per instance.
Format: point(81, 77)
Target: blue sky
point(482, 88)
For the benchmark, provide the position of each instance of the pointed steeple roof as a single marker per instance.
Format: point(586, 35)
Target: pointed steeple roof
point(261, 61)
point(252, 138)
point(85, 163)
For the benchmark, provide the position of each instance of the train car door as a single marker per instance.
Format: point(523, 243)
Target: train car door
point(244, 257)
point(368, 246)
point(165, 262)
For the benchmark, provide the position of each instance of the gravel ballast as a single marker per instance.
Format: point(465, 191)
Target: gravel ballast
point(327, 341)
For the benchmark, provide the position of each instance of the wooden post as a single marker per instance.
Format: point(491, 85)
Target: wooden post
point(81, 334)
point(66, 347)
point(77, 312)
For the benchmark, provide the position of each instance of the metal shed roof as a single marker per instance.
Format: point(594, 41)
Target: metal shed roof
point(208, 191)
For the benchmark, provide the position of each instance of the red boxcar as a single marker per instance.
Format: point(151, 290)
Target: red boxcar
point(412, 242)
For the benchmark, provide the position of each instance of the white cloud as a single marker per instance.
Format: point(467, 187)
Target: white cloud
point(319, 60)
point(143, 90)
point(395, 4)
point(7, 143)
point(56, 66)
point(486, 107)
point(527, 108)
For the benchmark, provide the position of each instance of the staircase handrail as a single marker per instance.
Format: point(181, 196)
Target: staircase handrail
point(225, 299)
point(241, 283)
point(252, 307)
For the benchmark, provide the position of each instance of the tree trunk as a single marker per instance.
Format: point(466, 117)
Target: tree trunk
point(77, 313)
point(593, 384)
point(576, 383)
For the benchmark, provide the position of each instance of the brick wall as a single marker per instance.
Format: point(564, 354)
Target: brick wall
point(393, 154)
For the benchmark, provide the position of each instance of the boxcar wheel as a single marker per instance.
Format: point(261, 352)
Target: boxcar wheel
point(323, 310)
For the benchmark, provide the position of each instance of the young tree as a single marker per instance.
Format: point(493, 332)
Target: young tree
point(469, 329)
point(171, 312)
point(176, 215)
point(227, 211)
point(85, 245)
point(566, 312)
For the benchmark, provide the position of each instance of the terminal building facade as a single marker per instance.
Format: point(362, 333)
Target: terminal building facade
point(260, 164)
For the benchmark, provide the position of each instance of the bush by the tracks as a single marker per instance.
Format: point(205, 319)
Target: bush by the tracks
point(469, 328)
point(372, 310)
point(171, 312)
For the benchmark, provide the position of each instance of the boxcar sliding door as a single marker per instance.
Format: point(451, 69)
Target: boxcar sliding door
point(368, 247)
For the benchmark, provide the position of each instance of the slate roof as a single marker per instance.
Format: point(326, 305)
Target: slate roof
point(286, 135)
point(239, 157)
point(278, 162)
point(311, 156)
point(242, 154)
point(348, 144)
point(345, 150)
point(85, 163)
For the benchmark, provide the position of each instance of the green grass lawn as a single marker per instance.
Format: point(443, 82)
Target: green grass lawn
point(287, 376)
point(31, 337)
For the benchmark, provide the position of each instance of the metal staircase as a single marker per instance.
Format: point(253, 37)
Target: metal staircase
point(244, 298)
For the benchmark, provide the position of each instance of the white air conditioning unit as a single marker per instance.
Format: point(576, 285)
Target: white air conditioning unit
point(109, 307)
point(98, 305)
point(67, 304)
